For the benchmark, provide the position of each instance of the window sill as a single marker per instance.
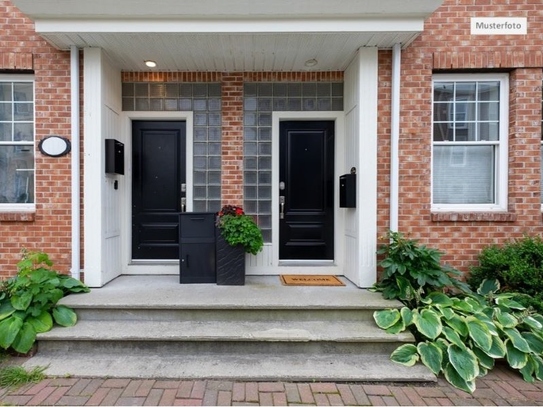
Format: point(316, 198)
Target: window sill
point(17, 216)
point(473, 217)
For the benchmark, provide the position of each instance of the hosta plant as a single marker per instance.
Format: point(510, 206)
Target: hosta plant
point(28, 302)
point(461, 337)
point(412, 270)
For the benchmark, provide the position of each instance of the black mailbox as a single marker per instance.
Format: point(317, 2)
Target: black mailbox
point(114, 156)
point(197, 247)
point(347, 191)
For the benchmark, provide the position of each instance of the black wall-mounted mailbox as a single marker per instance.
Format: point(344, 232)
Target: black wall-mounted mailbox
point(347, 191)
point(114, 157)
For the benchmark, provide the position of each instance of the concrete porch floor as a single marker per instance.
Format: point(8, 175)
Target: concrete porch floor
point(164, 291)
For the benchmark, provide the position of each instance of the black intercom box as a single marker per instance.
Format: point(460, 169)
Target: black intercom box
point(347, 191)
point(114, 156)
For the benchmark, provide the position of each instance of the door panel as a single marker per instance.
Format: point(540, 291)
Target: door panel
point(306, 228)
point(158, 171)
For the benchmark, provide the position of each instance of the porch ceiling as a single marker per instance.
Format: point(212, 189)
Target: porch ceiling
point(233, 35)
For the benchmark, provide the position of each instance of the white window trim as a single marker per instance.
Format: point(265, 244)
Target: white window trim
point(501, 165)
point(22, 207)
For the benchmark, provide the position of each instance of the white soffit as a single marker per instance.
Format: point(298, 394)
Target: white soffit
point(229, 35)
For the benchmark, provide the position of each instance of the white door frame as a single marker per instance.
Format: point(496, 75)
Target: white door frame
point(308, 267)
point(151, 266)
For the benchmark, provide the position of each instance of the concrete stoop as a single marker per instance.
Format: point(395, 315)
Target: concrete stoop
point(153, 327)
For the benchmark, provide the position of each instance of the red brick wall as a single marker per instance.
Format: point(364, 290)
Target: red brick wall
point(447, 45)
point(49, 228)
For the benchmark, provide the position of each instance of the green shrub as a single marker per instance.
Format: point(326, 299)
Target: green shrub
point(412, 270)
point(462, 336)
point(28, 302)
point(517, 265)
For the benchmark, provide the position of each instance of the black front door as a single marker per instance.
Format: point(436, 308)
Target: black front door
point(306, 190)
point(158, 185)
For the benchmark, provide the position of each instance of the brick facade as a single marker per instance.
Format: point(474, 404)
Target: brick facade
point(49, 228)
point(445, 46)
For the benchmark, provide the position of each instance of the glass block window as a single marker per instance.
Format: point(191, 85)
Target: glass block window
point(204, 100)
point(260, 100)
point(16, 140)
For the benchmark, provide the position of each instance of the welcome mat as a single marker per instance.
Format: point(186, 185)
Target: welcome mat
point(314, 280)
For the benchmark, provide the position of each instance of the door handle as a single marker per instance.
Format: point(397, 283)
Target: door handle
point(183, 204)
point(281, 207)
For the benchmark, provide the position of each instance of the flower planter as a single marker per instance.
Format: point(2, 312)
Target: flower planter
point(230, 261)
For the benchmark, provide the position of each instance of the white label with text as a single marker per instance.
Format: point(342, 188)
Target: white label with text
point(499, 25)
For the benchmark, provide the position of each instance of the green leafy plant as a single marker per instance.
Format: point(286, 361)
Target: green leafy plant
point(237, 228)
point(412, 270)
point(517, 265)
point(28, 302)
point(16, 376)
point(462, 337)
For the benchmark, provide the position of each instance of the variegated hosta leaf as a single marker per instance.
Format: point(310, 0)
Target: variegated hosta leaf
point(517, 359)
point(506, 319)
point(479, 332)
point(484, 360)
point(497, 350)
point(431, 355)
point(517, 340)
point(458, 323)
point(452, 336)
point(428, 323)
point(457, 381)
point(407, 316)
point(538, 362)
point(535, 342)
point(438, 299)
point(488, 286)
point(386, 318)
point(528, 370)
point(532, 323)
point(406, 355)
point(464, 362)
point(509, 303)
point(462, 305)
point(397, 327)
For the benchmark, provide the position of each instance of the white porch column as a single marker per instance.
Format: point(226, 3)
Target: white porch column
point(360, 99)
point(93, 166)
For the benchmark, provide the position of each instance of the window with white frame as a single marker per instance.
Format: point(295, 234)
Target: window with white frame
point(16, 141)
point(469, 147)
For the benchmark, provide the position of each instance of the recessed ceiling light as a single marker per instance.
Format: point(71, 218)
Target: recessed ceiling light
point(150, 64)
point(311, 62)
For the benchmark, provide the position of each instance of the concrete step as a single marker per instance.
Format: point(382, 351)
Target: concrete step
point(293, 314)
point(189, 338)
point(151, 326)
point(307, 331)
point(246, 367)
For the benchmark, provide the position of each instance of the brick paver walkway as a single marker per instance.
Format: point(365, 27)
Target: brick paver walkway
point(502, 386)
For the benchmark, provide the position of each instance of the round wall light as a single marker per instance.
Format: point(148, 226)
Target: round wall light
point(55, 146)
point(150, 64)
